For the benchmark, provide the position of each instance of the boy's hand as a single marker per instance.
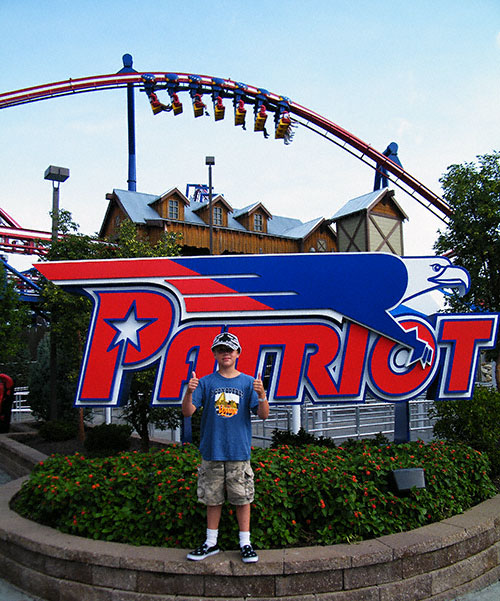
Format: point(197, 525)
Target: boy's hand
point(258, 386)
point(193, 382)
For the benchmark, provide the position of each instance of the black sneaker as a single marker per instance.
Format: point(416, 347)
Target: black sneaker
point(248, 555)
point(203, 551)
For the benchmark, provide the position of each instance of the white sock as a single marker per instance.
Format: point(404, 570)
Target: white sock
point(244, 538)
point(212, 536)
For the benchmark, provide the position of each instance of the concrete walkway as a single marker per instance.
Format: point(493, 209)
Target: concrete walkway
point(491, 593)
point(11, 593)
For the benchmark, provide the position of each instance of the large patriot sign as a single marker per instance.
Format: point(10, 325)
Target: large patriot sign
point(328, 327)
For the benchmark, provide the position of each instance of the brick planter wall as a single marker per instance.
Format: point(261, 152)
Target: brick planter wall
point(437, 562)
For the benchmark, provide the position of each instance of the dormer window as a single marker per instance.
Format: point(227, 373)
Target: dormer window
point(173, 209)
point(258, 222)
point(217, 216)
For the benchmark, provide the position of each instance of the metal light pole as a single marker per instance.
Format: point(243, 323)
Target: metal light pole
point(210, 161)
point(56, 175)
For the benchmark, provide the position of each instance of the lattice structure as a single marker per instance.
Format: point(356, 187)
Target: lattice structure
point(18, 240)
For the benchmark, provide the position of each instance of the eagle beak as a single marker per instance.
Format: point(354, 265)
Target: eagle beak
point(454, 277)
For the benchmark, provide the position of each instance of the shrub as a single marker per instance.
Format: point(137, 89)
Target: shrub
point(302, 438)
point(58, 430)
point(304, 495)
point(475, 423)
point(108, 439)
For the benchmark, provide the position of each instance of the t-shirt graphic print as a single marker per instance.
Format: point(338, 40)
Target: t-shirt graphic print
point(227, 402)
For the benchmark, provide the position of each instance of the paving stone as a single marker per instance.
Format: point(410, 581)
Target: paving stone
point(425, 539)
point(240, 586)
point(170, 584)
point(463, 571)
point(113, 578)
point(412, 589)
point(311, 582)
point(76, 591)
point(373, 574)
point(315, 559)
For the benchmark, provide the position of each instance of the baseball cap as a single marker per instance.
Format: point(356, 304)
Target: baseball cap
point(227, 339)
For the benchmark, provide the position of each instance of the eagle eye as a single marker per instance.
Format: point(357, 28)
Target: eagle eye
point(437, 267)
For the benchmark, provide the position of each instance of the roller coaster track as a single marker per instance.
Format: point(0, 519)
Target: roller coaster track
point(227, 88)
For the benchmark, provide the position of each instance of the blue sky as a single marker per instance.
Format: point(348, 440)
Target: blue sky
point(423, 74)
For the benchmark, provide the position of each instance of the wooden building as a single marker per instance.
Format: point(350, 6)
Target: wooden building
point(371, 223)
point(250, 230)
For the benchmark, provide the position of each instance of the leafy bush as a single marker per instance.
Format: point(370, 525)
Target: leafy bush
point(475, 423)
point(304, 495)
point(108, 439)
point(301, 439)
point(57, 430)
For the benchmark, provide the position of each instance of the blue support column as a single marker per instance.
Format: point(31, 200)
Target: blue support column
point(132, 177)
point(401, 422)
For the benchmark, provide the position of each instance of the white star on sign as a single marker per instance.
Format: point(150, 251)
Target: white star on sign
point(128, 328)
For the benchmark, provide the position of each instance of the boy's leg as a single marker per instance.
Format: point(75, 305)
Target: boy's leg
point(211, 493)
point(213, 516)
point(243, 517)
point(241, 495)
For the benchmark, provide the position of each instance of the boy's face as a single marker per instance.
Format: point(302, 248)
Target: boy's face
point(225, 356)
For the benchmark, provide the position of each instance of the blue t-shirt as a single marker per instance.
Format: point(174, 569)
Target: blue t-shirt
point(226, 428)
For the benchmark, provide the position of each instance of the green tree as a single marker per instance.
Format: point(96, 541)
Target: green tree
point(14, 318)
point(139, 413)
point(70, 314)
point(473, 232)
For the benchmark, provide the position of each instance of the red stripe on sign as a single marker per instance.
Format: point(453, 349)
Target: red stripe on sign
point(112, 269)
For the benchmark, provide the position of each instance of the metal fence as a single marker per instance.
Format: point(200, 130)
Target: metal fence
point(339, 421)
point(344, 421)
point(20, 408)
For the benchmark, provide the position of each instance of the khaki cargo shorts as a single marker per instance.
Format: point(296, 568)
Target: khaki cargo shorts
point(218, 478)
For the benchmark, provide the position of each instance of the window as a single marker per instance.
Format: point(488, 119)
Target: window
point(258, 223)
point(173, 209)
point(217, 216)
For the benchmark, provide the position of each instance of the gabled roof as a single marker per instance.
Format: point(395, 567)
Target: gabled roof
point(218, 198)
point(292, 228)
point(172, 191)
point(250, 209)
point(138, 207)
point(365, 203)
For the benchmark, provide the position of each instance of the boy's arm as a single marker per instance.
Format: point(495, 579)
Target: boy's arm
point(263, 409)
point(187, 402)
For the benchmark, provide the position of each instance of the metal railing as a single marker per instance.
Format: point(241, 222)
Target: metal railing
point(344, 421)
point(339, 421)
point(20, 407)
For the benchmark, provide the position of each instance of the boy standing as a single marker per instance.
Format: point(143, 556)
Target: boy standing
point(227, 397)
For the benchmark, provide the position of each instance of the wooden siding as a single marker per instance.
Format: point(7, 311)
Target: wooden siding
point(115, 216)
point(386, 206)
point(313, 241)
point(385, 235)
point(204, 213)
point(351, 233)
point(196, 238)
point(248, 221)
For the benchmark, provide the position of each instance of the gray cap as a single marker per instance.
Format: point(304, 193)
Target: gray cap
point(227, 339)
